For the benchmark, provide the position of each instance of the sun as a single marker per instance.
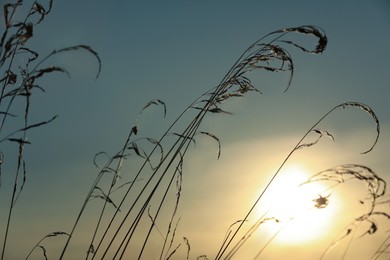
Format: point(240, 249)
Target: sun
point(300, 213)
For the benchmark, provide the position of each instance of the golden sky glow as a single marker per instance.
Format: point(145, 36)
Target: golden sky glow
point(300, 217)
point(237, 179)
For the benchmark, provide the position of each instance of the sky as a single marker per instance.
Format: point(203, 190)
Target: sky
point(175, 51)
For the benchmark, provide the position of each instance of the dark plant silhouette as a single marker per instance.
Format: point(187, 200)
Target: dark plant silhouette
point(133, 206)
point(18, 83)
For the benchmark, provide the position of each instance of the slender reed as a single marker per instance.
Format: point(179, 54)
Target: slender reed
point(115, 233)
point(19, 83)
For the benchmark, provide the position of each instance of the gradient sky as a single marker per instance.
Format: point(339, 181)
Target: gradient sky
point(175, 51)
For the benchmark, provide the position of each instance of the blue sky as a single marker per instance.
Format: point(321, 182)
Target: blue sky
point(175, 51)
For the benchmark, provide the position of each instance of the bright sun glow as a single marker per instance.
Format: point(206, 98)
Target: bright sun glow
point(304, 213)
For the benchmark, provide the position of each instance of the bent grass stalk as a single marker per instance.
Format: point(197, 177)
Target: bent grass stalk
point(298, 146)
point(268, 53)
point(247, 62)
point(22, 85)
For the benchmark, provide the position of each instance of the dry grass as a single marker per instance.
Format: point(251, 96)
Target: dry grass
point(131, 209)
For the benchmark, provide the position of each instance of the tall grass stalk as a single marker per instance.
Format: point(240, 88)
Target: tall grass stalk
point(299, 145)
point(132, 211)
point(19, 83)
point(253, 58)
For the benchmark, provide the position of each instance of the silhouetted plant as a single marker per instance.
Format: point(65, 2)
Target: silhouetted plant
point(133, 206)
point(18, 83)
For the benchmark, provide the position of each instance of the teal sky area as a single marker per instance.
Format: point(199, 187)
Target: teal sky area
point(175, 51)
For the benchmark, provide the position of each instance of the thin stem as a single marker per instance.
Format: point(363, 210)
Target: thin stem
point(83, 207)
point(220, 254)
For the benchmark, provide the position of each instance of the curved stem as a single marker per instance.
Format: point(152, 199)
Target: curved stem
point(223, 250)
